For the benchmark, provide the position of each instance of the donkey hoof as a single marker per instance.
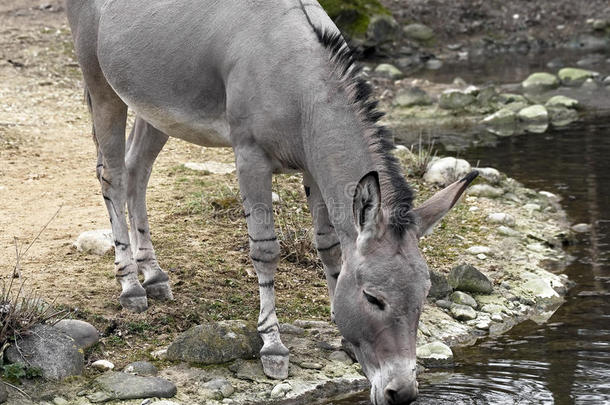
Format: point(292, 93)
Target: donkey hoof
point(159, 291)
point(135, 304)
point(275, 366)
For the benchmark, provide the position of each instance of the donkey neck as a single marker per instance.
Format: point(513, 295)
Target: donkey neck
point(338, 156)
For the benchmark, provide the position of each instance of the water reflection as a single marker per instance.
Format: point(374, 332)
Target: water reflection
point(567, 360)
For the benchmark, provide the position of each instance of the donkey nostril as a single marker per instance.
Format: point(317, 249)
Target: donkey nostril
point(391, 396)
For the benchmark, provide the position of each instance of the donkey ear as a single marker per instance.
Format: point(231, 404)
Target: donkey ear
point(367, 207)
point(434, 209)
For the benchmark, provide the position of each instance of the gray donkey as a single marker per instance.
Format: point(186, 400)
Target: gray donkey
point(274, 80)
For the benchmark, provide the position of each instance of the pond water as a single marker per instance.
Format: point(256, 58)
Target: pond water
point(567, 359)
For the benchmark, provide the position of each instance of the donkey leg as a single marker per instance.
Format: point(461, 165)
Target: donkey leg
point(109, 118)
point(327, 242)
point(144, 145)
point(254, 173)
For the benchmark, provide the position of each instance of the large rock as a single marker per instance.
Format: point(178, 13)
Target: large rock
point(540, 82)
point(454, 99)
point(143, 368)
point(98, 242)
point(418, 32)
point(562, 116)
point(389, 71)
point(435, 354)
point(467, 278)
point(216, 343)
point(49, 349)
point(502, 123)
point(412, 96)
point(490, 174)
point(440, 287)
point(534, 114)
point(123, 386)
point(84, 334)
point(447, 170)
point(574, 76)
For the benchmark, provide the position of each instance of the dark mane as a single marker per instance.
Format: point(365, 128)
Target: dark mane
point(397, 195)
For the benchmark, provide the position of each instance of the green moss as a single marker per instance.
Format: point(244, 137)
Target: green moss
point(353, 16)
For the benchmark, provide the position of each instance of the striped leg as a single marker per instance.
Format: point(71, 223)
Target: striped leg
point(145, 143)
point(109, 119)
point(327, 242)
point(254, 173)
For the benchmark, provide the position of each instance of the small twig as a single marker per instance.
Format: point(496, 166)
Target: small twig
point(19, 390)
point(21, 255)
point(16, 270)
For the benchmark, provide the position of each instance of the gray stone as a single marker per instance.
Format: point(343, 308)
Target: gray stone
point(485, 190)
point(497, 317)
point(418, 32)
point(287, 328)
point(509, 98)
point(84, 334)
point(382, 29)
point(280, 390)
point(443, 304)
point(389, 71)
point(251, 371)
point(454, 99)
point(492, 308)
point(502, 123)
point(435, 354)
point(590, 84)
point(60, 401)
point(562, 101)
point(540, 81)
point(462, 298)
point(311, 365)
point(49, 349)
point(216, 343)
point(536, 114)
point(412, 96)
point(128, 386)
point(143, 368)
point(341, 357)
point(501, 218)
point(463, 312)
point(506, 231)
point(487, 95)
point(477, 250)
point(562, 116)
point(446, 170)
point(221, 387)
point(574, 76)
point(490, 174)
point(98, 242)
point(532, 207)
point(433, 64)
point(440, 287)
point(467, 278)
point(3, 393)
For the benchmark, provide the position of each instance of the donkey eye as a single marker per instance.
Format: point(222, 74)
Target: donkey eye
point(373, 300)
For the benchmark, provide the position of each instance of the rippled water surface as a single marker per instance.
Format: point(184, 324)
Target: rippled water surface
point(566, 360)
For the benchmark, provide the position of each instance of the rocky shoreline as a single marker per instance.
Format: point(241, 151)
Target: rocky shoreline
point(498, 280)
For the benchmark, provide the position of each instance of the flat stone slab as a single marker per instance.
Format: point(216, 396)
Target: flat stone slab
point(113, 385)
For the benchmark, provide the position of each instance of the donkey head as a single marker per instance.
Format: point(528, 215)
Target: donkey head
point(382, 286)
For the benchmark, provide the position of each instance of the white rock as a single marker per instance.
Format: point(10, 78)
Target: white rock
point(581, 228)
point(473, 209)
point(548, 194)
point(540, 288)
point(98, 242)
point(275, 197)
point(475, 250)
point(536, 247)
point(211, 167)
point(532, 207)
point(434, 354)
point(481, 256)
point(280, 390)
point(447, 170)
point(485, 190)
point(483, 324)
point(102, 365)
point(496, 317)
point(501, 218)
point(490, 174)
point(506, 231)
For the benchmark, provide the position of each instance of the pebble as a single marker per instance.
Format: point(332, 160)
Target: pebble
point(501, 218)
point(496, 317)
point(280, 390)
point(311, 365)
point(341, 357)
point(581, 228)
point(475, 250)
point(506, 231)
point(481, 256)
point(443, 304)
point(102, 365)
